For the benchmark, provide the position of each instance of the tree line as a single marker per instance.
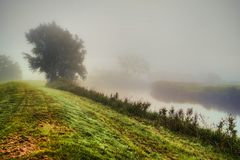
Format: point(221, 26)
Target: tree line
point(56, 52)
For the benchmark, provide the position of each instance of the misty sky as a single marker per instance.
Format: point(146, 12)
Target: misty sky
point(182, 38)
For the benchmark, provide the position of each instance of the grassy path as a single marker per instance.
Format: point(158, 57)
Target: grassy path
point(42, 123)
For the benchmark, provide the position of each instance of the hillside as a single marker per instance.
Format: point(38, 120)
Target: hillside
point(37, 122)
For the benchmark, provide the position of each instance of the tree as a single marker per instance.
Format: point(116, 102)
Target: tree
point(56, 52)
point(9, 70)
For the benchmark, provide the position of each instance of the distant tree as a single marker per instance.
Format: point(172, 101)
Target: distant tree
point(133, 64)
point(9, 70)
point(56, 52)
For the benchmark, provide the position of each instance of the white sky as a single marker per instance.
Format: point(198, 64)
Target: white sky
point(184, 37)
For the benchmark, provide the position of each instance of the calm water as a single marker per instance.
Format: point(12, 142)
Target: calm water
point(211, 116)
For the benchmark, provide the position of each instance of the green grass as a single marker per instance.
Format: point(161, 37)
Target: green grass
point(37, 122)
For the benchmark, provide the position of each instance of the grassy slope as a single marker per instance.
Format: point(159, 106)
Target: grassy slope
point(41, 123)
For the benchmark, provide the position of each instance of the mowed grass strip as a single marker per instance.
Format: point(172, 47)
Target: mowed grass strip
point(25, 117)
point(42, 123)
point(143, 141)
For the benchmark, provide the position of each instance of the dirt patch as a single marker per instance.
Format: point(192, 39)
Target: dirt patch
point(54, 127)
point(18, 146)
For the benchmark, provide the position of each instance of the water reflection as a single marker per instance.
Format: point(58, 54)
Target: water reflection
point(210, 114)
point(222, 98)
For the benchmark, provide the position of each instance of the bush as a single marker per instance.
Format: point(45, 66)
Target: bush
point(223, 137)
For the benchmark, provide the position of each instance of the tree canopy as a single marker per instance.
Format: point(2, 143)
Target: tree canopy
point(9, 70)
point(56, 52)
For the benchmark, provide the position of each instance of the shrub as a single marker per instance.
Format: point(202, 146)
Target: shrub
point(223, 137)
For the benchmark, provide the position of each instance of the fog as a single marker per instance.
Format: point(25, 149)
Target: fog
point(223, 98)
point(133, 43)
point(178, 39)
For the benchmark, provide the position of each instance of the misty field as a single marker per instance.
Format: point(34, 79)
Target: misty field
point(37, 122)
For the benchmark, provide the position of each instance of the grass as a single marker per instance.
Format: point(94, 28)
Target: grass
point(223, 137)
point(37, 122)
